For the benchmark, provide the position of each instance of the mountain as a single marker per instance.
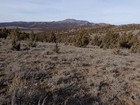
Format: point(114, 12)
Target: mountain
point(80, 22)
point(64, 24)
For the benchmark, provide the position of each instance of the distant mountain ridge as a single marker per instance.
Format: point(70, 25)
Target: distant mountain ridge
point(81, 22)
point(64, 24)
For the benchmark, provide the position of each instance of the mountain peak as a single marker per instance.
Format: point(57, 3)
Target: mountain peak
point(70, 20)
point(82, 22)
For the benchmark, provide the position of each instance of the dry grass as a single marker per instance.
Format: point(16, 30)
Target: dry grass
point(74, 76)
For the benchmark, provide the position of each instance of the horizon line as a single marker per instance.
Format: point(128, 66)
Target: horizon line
point(66, 19)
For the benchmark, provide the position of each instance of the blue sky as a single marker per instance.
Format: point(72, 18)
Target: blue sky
point(97, 11)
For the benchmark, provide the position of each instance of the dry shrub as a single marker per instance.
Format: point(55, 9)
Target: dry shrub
point(56, 48)
point(97, 40)
point(15, 44)
point(130, 41)
point(4, 33)
point(23, 92)
point(114, 40)
point(116, 51)
point(136, 48)
point(126, 41)
point(82, 40)
point(31, 41)
point(52, 37)
point(110, 40)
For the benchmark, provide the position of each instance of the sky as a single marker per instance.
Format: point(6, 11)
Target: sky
point(97, 11)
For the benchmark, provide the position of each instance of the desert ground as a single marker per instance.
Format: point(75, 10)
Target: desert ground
point(74, 76)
